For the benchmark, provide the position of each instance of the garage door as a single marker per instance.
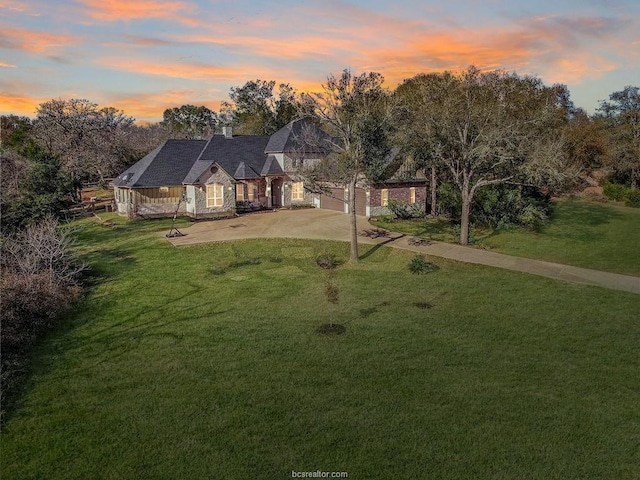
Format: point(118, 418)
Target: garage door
point(361, 202)
point(331, 203)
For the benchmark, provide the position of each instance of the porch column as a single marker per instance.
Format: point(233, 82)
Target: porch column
point(268, 192)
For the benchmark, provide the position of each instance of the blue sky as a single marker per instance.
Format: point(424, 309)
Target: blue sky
point(143, 56)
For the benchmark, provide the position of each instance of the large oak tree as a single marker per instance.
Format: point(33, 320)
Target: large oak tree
point(485, 127)
point(91, 142)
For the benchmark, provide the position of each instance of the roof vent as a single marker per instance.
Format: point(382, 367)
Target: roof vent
point(227, 132)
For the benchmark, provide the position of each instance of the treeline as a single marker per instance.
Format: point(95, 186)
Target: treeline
point(495, 146)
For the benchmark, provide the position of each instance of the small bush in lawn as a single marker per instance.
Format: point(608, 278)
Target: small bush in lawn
point(615, 191)
point(327, 261)
point(633, 198)
point(420, 265)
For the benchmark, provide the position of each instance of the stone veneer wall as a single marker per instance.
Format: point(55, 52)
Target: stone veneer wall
point(228, 207)
point(307, 200)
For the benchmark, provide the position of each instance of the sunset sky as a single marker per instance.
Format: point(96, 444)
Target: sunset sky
point(143, 56)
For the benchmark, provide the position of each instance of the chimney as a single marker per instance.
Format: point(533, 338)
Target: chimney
point(227, 132)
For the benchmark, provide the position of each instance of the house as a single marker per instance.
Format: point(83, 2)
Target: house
point(228, 174)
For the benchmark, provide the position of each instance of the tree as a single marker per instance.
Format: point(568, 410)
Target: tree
point(91, 142)
point(410, 133)
point(14, 133)
point(45, 190)
point(189, 121)
point(485, 126)
point(585, 141)
point(354, 111)
point(622, 117)
point(256, 110)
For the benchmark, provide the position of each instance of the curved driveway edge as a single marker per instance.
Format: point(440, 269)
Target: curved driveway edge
point(316, 224)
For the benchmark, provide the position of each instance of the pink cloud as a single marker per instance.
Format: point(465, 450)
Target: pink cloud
point(34, 41)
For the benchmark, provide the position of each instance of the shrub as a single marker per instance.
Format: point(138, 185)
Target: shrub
point(299, 206)
point(449, 201)
point(38, 284)
point(327, 261)
point(533, 217)
point(615, 191)
point(406, 210)
point(499, 206)
point(633, 198)
point(419, 264)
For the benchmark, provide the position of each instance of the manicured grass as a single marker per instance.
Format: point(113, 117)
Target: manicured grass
point(439, 229)
point(204, 362)
point(581, 233)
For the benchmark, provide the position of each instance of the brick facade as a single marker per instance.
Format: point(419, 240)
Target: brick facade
point(397, 192)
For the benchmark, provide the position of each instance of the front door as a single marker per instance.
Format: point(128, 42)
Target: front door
point(276, 192)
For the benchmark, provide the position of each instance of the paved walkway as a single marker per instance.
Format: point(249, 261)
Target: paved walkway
point(319, 224)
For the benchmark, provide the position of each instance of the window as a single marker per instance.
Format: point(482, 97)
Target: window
point(215, 192)
point(297, 191)
point(384, 197)
point(239, 192)
point(251, 191)
point(412, 195)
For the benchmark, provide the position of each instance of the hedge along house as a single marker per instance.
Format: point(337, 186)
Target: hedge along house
point(229, 174)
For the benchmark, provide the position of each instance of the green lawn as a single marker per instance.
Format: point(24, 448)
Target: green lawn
point(581, 233)
point(204, 362)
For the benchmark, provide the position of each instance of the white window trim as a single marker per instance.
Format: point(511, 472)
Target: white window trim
point(412, 195)
point(384, 197)
point(215, 195)
point(239, 192)
point(297, 193)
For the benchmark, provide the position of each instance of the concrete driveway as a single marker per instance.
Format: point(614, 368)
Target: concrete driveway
point(317, 224)
point(311, 223)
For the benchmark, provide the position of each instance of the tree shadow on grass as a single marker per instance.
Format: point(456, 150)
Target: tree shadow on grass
point(579, 213)
point(580, 221)
point(377, 247)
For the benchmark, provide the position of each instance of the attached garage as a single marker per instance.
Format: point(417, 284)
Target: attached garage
point(333, 201)
point(361, 202)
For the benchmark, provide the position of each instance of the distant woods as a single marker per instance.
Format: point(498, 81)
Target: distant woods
point(470, 131)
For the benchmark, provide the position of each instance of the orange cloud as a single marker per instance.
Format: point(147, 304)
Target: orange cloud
point(186, 70)
point(33, 41)
point(150, 107)
point(6, 65)
point(127, 10)
point(306, 46)
point(14, 104)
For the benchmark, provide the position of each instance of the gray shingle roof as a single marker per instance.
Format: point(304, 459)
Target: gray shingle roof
point(166, 165)
point(230, 153)
point(271, 166)
point(300, 136)
point(244, 157)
